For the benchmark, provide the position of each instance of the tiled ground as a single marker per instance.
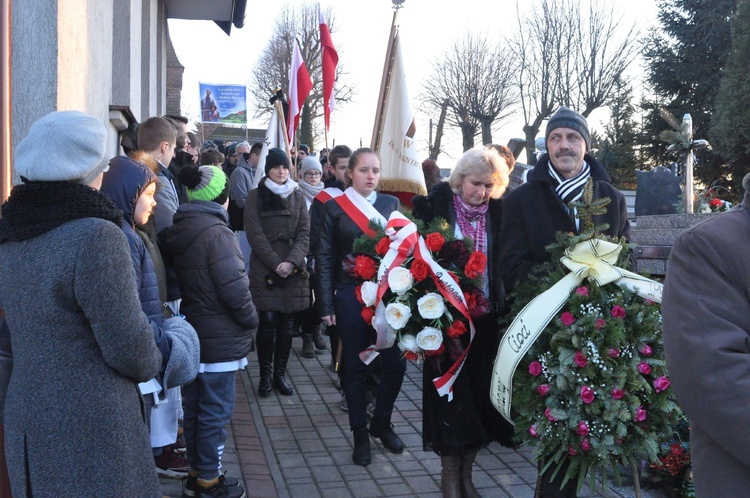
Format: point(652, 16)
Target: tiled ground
point(300, 445)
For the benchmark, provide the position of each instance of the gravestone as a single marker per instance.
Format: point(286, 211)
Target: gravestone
point(654, 237)
point(658, 192)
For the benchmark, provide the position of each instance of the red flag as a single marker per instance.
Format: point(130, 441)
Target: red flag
point(300, 85)
point(330, 61)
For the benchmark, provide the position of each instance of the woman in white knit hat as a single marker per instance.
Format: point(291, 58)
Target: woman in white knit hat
point(79, 338)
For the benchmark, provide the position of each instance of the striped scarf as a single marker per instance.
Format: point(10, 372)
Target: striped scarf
point(571, 189)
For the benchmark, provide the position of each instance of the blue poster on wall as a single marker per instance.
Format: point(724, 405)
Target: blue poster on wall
point(223, 103)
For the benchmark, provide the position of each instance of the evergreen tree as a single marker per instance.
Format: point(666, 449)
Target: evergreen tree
point(617, 149)
point(730, 127)
point(685, 58)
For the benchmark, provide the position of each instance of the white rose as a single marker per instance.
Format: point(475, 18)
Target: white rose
point(431, 306)
point(396, 315)
point(400, 280)
point(429, 339)
point(705, 209)
point(369, 292)
point(408, 343)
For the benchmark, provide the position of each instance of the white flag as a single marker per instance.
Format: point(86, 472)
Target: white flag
point(401, 168)
point(275, 138)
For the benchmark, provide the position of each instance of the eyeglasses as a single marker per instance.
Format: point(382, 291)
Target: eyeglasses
point(312, 173)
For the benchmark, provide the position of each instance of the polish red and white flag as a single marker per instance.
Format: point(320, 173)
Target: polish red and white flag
point(330, 61)
point(300, 85)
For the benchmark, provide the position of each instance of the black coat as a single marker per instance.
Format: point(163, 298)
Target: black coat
point(336, 239)
point(216, 297)
point(469, 421)
point(439, 203)
point(533, 213)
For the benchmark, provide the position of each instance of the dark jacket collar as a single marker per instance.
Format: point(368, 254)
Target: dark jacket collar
point(540, 173)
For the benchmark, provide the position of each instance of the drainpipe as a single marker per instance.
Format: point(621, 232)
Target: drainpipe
point(6, 175)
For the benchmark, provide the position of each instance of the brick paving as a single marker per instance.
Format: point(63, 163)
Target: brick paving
point(300, 445)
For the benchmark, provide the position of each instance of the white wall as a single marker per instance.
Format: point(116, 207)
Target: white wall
point(87, 55)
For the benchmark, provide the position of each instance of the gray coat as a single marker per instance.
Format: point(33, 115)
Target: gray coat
point(73, 414)
point(706, 313)
point(277, 230)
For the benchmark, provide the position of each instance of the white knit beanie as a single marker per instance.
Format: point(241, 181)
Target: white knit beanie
point(310, 163)
point(67, 146)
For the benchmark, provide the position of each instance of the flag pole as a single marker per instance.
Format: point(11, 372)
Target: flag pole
point(385, 82)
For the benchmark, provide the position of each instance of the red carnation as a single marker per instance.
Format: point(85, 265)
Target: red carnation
point(382, 246)
point(457, 328)
point(476, 265)
point(434, 241)
point(419, 270)
point(367, 314)
point(411, 355)
point(365, 267)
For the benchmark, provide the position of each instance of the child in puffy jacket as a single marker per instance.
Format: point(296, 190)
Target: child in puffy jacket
point(216, 300)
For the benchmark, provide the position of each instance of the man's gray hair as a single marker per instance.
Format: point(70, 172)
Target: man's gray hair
point(243, 144)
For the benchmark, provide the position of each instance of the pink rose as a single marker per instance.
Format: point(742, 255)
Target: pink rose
point(582, 429)
point(543, 389)
point(548, 414)
point(661, 384)
point(580, 359)
point(587, 394)
point(644, 368)
point(532, 431)
point(582, 291)
point(618, 312)
point(585, 444)
point(617, 393)
point(648, 302)
point(646, 350)
point(572, 451)
point(567, 318)
point(613, 352)
point(535, 368)
point(600, 323)
point(640, 414)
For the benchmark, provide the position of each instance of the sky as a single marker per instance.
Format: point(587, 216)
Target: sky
point(427, 29)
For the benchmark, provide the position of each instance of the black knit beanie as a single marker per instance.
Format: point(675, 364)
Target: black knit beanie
point(568, 118)
point(276, 157)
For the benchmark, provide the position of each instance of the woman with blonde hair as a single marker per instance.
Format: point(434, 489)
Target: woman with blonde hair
point(470, 202)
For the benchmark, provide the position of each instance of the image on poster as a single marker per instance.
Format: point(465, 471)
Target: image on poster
point(221, 103)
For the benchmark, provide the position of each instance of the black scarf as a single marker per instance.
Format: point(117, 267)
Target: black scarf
point(35, 208)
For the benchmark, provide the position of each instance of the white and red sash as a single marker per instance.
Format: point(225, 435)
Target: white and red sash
point(359, 210)
point(327, 194)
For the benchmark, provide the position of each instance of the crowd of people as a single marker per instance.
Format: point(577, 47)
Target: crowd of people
point(165, 267)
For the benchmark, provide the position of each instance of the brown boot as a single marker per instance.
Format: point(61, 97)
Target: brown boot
point(450, 477)
point(467, 485)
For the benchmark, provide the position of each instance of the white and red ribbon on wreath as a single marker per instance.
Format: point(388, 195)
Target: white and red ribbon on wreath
point(405, 242)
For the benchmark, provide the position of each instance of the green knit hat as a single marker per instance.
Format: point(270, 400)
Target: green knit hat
point(212, 184)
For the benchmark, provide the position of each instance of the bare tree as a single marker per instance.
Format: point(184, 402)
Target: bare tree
point(271, 71)
point(566, 58)
point(472, 80)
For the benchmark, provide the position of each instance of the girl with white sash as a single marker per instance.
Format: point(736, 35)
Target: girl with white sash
point(344, 219)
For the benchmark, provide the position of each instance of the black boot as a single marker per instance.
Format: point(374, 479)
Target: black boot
point(467, 483)
point(381, 428)
point(307, 346)
point(318, 339)
point(450, 478)
point(281, 354)
point(361, 455)
point(265, 345)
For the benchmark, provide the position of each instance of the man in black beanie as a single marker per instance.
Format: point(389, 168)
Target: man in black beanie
point(536, 210)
